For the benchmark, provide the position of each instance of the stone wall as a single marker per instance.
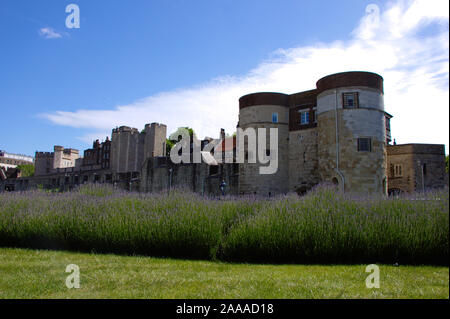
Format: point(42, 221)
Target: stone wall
point(126, 144)
point(64, 157)
point(411, 158)
point(363, 171)
point(129, 147)
point(159, 174)
point(155, 140)
point(43, 163)
point(61, 179)
point(303, 160)
point(251, 181)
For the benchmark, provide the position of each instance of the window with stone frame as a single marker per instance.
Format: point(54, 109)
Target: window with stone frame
point(350, 100)
point(364, 144)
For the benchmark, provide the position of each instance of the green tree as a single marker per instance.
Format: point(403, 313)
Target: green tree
point(169, 145)
point(232, 135)
point(176, 136)
point(27, 170)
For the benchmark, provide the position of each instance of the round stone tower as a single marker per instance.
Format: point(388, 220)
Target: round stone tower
point(266, 111)
point(352, 132)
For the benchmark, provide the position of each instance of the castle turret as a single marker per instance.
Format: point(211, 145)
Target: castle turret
point(43, 163)
point(352, 131)
point(130, 148)
point(155, 140)
point(125, 155)
point(64, 157)
point(264, 110)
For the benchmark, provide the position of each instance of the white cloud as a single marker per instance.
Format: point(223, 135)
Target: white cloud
point(390, 42)
point(49, 33)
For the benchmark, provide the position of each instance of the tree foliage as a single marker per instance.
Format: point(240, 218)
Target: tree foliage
point(26, 170)
point(176, 136)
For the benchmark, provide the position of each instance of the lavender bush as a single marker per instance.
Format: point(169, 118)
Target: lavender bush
point(321, 227)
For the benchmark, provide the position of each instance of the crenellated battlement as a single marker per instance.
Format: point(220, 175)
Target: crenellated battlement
point(43, 154)
point(125, 129)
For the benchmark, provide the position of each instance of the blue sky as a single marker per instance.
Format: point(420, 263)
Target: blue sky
point(186, 63)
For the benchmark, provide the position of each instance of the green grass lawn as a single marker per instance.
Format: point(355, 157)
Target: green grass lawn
point(41, 274)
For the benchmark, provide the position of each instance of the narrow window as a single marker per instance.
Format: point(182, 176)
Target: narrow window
point(274, 117)
point(364, 144)
point(350, 100)
point(398, 170)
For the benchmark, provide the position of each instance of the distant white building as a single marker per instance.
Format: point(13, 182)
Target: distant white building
point(9, 160)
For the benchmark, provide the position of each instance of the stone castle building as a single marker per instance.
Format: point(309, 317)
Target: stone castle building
point(338, 132)
point(130, 147)
point(416, 167)
point(47, 162)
